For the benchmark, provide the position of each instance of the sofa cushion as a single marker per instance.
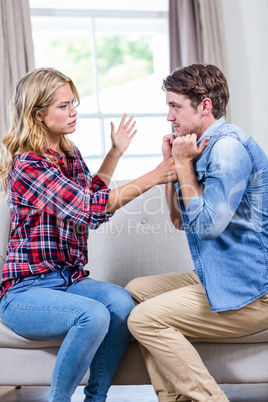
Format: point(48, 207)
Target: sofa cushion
point(138, 240)
point(9, 339)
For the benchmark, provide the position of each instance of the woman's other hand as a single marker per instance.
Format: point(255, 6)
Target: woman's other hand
point(124, 135)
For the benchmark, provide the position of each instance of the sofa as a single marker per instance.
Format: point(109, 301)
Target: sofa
point(139, 240)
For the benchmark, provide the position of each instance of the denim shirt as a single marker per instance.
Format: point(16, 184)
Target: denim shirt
point(227, 226)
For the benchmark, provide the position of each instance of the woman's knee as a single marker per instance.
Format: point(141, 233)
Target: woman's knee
point(121, 302)
point(95, 316)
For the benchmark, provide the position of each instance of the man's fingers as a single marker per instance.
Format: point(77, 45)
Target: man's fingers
point(203, 144)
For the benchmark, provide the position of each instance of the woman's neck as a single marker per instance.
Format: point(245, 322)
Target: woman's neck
point(55, 146)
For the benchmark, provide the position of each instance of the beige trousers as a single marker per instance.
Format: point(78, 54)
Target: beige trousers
point(172, 306)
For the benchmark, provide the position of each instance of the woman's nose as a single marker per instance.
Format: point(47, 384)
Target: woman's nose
point(73, 110)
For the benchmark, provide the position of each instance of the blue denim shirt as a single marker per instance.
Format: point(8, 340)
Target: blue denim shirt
point(227, 226)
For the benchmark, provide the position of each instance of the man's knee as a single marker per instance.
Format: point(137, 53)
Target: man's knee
point(133, 322)
point(139, 320)
point(133, 287)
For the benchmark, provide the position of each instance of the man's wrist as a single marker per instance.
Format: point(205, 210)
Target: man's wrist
point(187, 165)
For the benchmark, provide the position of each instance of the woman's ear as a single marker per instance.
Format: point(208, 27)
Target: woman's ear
point(37, 115)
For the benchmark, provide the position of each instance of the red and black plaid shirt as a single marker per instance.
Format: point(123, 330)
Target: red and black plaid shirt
point(52, 209)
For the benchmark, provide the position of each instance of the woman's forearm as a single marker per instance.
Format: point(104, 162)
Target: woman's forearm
point(108, 166)
point(120, 142)
point(162, 174)
point(126, 193)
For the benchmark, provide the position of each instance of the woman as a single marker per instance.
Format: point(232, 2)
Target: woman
point(54, 200)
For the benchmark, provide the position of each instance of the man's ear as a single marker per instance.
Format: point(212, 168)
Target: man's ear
point(206, 106)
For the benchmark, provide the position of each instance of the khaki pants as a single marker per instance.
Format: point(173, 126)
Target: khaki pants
point(171, 307)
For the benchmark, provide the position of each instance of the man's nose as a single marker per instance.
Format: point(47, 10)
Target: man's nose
point(170, 116)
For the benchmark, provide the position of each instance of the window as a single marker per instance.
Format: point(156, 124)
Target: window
point(117, 58)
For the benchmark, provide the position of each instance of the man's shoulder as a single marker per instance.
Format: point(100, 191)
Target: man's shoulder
point(231, 130)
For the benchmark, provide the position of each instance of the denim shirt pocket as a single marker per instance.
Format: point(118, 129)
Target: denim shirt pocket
point(200, 172)
point(201, 165)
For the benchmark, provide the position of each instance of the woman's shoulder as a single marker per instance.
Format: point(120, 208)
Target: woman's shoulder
point(28, 157)
point(31, 158)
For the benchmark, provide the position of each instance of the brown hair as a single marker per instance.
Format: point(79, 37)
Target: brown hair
point(200, 81)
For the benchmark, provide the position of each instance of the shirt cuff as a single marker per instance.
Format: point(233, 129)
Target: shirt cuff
point(97, 183)
point(97, 201)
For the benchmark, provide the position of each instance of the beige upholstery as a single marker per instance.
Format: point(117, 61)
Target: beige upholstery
point(139, 240)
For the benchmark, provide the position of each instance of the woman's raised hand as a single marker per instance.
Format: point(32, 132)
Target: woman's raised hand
point(123, 136)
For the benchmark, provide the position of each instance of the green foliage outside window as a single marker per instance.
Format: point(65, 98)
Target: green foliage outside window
point(120, 59)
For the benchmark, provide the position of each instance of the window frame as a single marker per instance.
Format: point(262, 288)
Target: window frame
point(94, 14)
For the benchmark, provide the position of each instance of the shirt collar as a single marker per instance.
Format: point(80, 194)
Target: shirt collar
point(58, 155)
point(211, 130)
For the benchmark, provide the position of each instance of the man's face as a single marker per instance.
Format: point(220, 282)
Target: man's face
point(185, 119)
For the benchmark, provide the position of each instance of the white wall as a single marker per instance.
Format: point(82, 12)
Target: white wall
point(246, 33)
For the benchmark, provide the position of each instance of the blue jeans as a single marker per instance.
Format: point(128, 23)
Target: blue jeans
point(90, 315)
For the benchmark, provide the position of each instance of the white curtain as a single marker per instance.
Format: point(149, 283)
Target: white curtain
point(16, 51)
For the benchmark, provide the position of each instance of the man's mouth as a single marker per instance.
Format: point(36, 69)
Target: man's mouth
point(176, 129)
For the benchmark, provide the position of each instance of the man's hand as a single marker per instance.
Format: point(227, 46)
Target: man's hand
point(185, 150)
point(167, 145)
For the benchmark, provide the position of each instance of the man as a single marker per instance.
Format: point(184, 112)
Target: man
point(221, 201)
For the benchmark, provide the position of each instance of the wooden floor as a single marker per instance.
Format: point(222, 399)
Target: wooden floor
point(143, 393)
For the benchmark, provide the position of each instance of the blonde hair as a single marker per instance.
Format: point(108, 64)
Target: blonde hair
point(34, 93)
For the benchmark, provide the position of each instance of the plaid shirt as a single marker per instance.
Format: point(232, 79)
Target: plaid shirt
point(52, 209)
